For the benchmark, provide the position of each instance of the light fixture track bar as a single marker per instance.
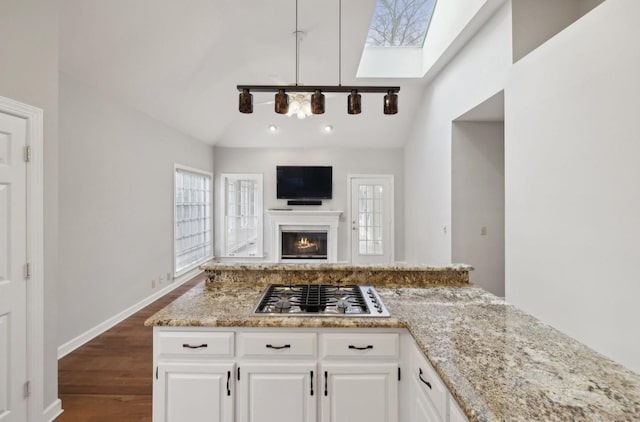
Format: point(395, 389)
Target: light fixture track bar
point(323, 88)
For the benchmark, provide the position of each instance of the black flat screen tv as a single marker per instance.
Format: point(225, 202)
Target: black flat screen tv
point(304, 182)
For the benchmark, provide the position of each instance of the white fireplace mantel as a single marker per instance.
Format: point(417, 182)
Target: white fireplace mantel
point(304, 220)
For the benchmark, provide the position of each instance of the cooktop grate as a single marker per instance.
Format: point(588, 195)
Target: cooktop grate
point(320, 300)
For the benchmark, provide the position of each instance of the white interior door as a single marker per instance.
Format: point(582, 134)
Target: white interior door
point(371, 219)
point(13, 257)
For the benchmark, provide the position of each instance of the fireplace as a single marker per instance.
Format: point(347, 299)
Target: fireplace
point(318, 228)
point(304, 244)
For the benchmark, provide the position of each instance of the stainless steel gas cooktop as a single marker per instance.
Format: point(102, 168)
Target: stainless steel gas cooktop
point(320, 300)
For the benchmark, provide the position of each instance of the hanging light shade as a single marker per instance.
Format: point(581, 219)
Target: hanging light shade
point(282, 102)
point(317, 102)
point(391, 103)
point(246, 102)
point(354, 103)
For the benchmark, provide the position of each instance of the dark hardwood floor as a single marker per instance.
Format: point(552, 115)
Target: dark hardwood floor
point(110, 378)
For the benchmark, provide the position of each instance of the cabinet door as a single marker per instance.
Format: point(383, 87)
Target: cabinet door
point(193, 392)
point(422, 409)
point(455, 413)
point(359, 392)
point(277, 392)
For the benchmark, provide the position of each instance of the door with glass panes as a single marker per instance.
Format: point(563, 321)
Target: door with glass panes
point(371, 219)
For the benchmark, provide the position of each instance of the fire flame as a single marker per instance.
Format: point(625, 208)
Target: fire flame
point(304, 243)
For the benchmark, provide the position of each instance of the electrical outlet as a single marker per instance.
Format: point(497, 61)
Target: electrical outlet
point(483, 230)
point(160, 279)
point(169, 278)
point(153, 283)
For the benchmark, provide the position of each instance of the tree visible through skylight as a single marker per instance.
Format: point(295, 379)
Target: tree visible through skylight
point(400, 23)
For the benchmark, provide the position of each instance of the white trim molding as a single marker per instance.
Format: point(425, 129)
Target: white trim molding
point(35, 249)
point(52, 411)
point(94, 332)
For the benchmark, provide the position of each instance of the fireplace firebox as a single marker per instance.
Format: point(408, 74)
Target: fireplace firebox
point(304, 244)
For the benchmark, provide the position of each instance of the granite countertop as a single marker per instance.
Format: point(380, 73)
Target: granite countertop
point(498, 362)
point(279, 266)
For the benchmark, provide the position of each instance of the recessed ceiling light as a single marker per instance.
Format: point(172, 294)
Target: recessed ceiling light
point(272, 128)
point(327, 129)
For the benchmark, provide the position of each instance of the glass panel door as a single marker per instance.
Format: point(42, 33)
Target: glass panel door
point(242, 215)
point(371, 219)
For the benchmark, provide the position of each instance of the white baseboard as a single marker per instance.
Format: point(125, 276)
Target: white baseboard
point(53, 411)
point(92, 333)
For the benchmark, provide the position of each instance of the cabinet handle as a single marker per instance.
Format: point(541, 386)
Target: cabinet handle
point(312, 383)
point(191, 346)
point(370, 346)
point(271, 346)
point(228, 381)
point(326, 375)
point(422, 379)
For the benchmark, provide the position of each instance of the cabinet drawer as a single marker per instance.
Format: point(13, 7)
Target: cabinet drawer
point(196, 344)
point(429, 383)
point(273, 345)
point(360, 345)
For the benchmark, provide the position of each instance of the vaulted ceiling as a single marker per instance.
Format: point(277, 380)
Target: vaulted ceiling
point(180, 61)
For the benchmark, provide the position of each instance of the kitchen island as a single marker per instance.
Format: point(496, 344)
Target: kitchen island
point(497, 362)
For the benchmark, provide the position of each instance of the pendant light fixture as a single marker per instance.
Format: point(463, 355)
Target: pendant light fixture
point(282, 102)
point(246, 102)
point(293, 99)
point(317, 102)
point(354, 103)
point(391, 103)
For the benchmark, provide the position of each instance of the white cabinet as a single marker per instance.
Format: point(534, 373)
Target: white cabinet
point(295, 375)
point(422, 410)
point(284, 392)
point(277, 376)
point(427, 398)
point(201, 390)
point(429, 390)
point(359, 392)
point(193, 378)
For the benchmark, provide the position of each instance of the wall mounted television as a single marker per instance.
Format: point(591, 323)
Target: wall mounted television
point(304, 182)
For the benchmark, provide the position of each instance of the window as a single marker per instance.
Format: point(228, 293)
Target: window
point(242, 215)
point(370, 221)
point(400, 23)
point(192, 231)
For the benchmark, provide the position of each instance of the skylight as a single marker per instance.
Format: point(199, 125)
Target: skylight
point(400, 23)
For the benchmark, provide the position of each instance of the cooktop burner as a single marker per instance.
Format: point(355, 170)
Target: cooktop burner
point(320, 300)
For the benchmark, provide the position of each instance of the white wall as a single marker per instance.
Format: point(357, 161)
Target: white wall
point(535, 21)
point(475, 74)
point(116, 204)
point(478, 201)
point(344, 162)
point(29, 73)
point(573, 198)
